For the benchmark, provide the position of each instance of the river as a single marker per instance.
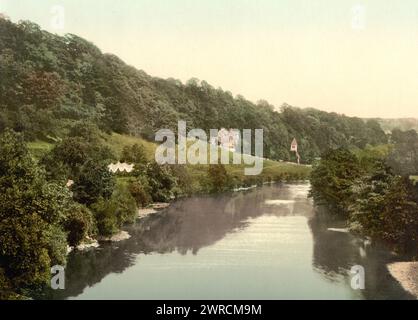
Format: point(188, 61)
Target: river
point(266, 243)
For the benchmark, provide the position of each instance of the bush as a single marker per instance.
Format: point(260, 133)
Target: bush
point(332, 179)
point(386, 209)
point(94, 181)
point(218, 178)
point(104, 214)
point(140, 193)
point(86, 130)
point(125, 203)
point(31, 210)
point(78, 224)
point(161, 181)
point(68, 157)
point(111, 214)
point(184, 181)
point(134, 154)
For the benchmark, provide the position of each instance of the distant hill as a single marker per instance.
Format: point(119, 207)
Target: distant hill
point(49, 82)
point(402, 124)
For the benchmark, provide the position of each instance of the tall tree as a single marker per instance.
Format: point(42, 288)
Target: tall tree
point(31, 210)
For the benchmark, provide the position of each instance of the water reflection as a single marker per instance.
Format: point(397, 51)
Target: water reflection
point(335, 253)
point(191, 225)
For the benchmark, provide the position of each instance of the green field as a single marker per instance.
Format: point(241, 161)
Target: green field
point(272, 170)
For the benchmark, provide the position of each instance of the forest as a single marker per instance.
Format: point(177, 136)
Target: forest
point(49, 82)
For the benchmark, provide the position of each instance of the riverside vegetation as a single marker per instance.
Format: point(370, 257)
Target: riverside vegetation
point(67, 111)
point(374, 189)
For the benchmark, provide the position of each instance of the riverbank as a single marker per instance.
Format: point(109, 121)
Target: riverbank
point(153, 208)
point(120, 236)
point(406, 273)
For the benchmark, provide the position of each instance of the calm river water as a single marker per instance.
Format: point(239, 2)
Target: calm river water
point(266, 243)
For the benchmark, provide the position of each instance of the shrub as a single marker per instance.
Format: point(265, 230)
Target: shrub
point(386, 209)
point(218, 178)
point(161, 181)
point(104, 214)
point(79, 223)
point(31, 210)
point(134, 154)
point(140, 193)
point(93, 181)
point(333, 178)
point(126, 208)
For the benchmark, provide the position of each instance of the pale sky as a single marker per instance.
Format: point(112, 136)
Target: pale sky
point(359, 58)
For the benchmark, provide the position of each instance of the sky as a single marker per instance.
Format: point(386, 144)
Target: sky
point(359, 58)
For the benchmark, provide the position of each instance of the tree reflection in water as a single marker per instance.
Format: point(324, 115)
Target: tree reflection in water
point(334, 253)
point(191, 224)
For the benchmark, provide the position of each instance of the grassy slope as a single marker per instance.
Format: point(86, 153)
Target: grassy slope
point(271, 169)
point(117, 142)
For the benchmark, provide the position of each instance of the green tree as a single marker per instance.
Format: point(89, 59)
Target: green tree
point(218, 178)
point(404, 156)
point(94, 181)
point(134, 154)
point(104, 214)
point(333, 177)
point(139, 189)
point(161, 181)
point(127, 210)
point(73, 152)
point(31, 210)
point(86, 130)
point(385, 208)
point(79, 223)
point(67, 158)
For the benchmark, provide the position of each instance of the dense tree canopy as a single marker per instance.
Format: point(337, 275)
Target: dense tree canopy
point(31, 212)
point(378, 203)
point(332, 179)
point(404, 156)
point(48, 82)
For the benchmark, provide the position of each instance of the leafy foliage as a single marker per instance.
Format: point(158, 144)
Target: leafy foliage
point(139, 190)
point(378, 203)
point(134, 154)
point(127, 210)
point(49, 82)
point(385, 207)
point(218, 178)
point(404, 157)
point(104, 214)
point(113, 212)
point(160, 180)
point(332, 179)
point(31, 211)
point(93, 182)
point(78, 224)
